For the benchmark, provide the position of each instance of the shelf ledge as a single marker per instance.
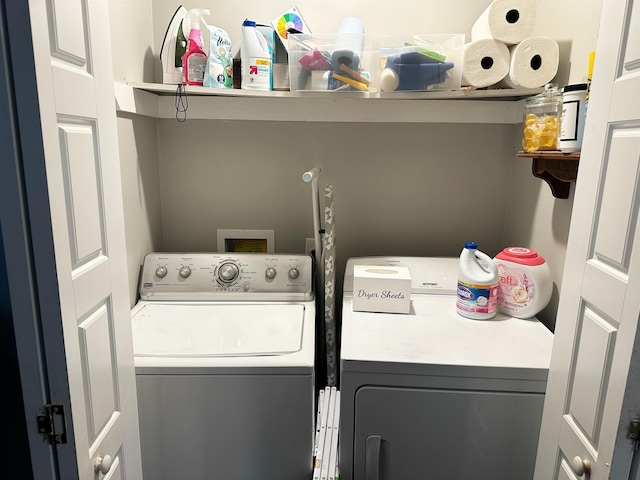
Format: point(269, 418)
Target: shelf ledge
point(502, 106)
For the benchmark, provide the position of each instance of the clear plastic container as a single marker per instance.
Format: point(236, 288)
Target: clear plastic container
point(422, 62)
point(542, 120)
point(335, 63)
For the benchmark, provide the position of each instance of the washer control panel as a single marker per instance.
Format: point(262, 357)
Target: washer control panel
point(226, 276)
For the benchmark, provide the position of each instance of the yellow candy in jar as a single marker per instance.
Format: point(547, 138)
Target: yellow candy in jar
point(530, 119)
point(540, 133)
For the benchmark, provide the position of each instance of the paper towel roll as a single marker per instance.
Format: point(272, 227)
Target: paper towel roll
point(534, 63)
point(509, 21)
point(484, 62)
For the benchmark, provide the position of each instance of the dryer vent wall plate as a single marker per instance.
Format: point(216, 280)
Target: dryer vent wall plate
point(261, 241)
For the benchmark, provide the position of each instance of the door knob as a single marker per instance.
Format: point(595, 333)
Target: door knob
point(580, 466)
point(103, 464)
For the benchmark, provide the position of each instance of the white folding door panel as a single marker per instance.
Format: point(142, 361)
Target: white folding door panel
point(75, 91)
point(592, 395)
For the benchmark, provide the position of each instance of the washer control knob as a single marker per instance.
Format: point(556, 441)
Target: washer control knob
point(293, 273)
point(228, 272)
point(185, 271)
point(161, 272)
point(270, 273)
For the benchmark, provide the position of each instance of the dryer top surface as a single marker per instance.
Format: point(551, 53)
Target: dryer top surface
point(434, 334)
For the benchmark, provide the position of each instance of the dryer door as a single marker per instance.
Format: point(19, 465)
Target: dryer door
point(445, 434)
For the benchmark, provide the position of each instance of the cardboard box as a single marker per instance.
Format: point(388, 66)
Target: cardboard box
point(381, 289)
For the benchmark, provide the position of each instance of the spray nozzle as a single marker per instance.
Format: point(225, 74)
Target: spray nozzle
point(191, 24)
point(193, 19)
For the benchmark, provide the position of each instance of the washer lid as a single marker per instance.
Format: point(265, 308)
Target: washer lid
point(206, 330)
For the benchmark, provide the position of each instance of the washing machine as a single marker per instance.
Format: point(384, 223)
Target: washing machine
point(432, 394)
point(224, 359)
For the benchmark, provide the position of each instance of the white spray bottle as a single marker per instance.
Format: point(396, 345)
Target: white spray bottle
point(194, 61)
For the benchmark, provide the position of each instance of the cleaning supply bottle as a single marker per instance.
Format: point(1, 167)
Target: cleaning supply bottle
point(255, 58)
point(525, 282)
point(194, 61)
point(477, 284)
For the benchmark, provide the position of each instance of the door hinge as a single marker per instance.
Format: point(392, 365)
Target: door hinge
point(52, 423)
point(634, 431)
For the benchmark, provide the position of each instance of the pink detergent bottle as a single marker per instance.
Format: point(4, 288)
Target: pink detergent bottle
point(525, 282)
point(194, 61)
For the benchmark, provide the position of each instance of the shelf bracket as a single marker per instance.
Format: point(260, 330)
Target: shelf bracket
point(557, 169)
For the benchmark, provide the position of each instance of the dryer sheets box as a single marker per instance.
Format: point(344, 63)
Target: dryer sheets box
point(381, 289)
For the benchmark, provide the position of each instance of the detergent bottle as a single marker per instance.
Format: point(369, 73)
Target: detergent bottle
point(477, 284)
point(194, 61)
point(525, 282)
point(255, 58)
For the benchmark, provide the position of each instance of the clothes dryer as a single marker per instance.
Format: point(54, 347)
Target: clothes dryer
point(224, 360)
point(432, 394)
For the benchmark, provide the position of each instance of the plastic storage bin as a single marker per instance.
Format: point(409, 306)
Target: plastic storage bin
point(421, 62)
point(542, 117)
point(335, 63)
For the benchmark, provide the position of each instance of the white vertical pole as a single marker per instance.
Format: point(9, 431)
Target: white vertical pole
point(312, 176)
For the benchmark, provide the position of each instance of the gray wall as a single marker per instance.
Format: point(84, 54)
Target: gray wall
point(410, 189)
point(536, 219)
point(140, 171)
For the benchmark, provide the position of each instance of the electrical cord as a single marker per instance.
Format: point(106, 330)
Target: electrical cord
point(181, 103)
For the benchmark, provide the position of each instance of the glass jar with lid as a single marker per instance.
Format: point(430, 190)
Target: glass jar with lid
point(542, 116)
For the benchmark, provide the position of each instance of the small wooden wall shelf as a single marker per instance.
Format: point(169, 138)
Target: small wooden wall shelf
point(556, 168)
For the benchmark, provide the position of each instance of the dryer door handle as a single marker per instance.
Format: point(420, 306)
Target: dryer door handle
point(372, 457)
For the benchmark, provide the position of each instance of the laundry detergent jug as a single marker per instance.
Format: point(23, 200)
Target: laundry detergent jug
point(477, 284)
point(525, 282)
